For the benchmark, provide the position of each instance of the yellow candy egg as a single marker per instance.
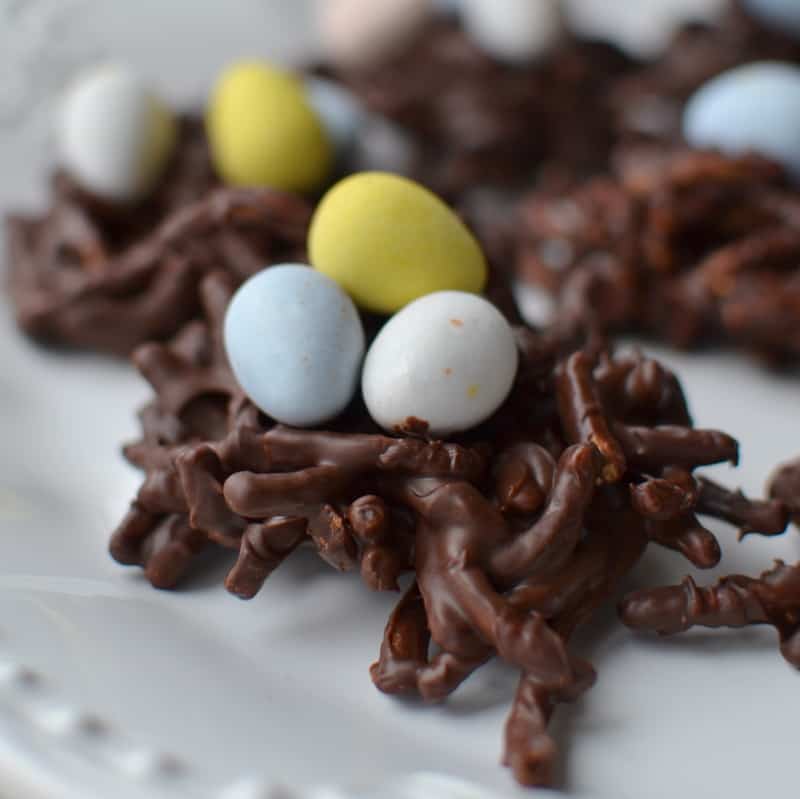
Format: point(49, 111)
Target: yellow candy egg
point(387, 241)
point(264, 132)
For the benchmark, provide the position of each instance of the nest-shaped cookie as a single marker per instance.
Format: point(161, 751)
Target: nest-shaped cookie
point(87, 275)
point(693, 248)
point(477, 121)
point(512, 535)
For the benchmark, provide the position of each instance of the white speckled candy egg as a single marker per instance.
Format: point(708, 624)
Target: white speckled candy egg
point(755, 108)
point(295, 343)
point(448, 359)
point(115, 136)
point(514, 30)
point(357, 33)
point(780, 15)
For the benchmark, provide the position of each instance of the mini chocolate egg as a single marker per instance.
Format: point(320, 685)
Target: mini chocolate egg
point(263, 130)
point(754, 108)
point(382, 145)
point(357, 33)
point(114, 136)
point(514, 30)
point(387, 240)
point(295, 343)
point(780, 15)
point(448, 359)
point(363, 140)
point(340, 111)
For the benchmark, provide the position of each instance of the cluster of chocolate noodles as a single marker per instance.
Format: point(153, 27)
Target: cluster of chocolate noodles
point(513, 534)
point(691, 247)
point(92, 275)
point(478, 121)
point(736, 600)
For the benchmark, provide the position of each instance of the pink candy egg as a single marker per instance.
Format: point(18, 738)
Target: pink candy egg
point(356, 33)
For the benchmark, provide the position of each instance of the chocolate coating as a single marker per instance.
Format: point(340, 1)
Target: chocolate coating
point(784, 486)
point(735, 601)
point(693, 248)
point(478, 121)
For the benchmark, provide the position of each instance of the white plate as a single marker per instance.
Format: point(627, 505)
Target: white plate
point(110, 688)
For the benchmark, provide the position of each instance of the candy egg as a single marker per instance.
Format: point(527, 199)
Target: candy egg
point(780, 15)
point(448, 359)
point(295, 343)
point(755, 107)
point(263, 130)
point(115, 136)
point(356, 33)
point(387, 240)
point(514, 30)
point(382, 145)
point(363, 141)
point(339, 110)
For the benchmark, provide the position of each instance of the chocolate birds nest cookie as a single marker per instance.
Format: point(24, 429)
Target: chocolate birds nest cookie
point(511, 535)
point(478, 121)
point(94, 275)
point(693, 248)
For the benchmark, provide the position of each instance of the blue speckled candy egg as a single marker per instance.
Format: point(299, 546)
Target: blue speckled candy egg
point(780, 15)
point(295, 342)
point(755, 108)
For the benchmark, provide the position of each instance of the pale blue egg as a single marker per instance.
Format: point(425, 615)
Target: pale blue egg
point(295, 343)
point(755, 107)
point(364, 141)
point(340, 111)
point(780, 15)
